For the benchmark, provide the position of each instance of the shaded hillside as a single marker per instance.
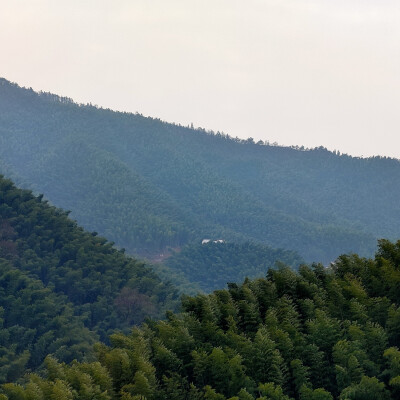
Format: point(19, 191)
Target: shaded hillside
point(212, 265)
point(147, 184)
point(62, 288)
point(315, 334)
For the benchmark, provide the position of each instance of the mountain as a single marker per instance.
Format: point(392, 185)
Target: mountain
point(210, 266)
point(62, 288)
point(148, 185)
point(316, 334)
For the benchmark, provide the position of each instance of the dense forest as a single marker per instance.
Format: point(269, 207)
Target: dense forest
point(316, 334)
point(159, 185)
point(212, 265)
point(61, 288)
point(82, 320)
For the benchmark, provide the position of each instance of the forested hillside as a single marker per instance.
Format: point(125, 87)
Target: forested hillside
point(147, 185)
point(316, 334)
point(62, 288)
point(211, 266)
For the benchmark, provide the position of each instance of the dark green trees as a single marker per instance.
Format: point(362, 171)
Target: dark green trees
point(319, 334)
point(61, 288)
point(148, 185)
point(210, 266)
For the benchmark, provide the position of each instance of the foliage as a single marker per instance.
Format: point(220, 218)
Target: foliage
point(148, 185)
point(210, 266)
point(61, 288)
point(316, 334)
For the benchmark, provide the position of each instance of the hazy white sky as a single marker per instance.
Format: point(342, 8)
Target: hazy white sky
point(306, 72)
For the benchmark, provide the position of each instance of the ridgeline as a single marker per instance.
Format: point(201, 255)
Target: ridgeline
point(148, 185)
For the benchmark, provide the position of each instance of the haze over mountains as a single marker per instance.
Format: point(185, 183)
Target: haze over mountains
point(212, 265)
point(313, 334)
point(149, 185)
point(71, 304)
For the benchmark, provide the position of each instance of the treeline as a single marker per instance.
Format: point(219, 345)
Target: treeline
point(211, 266)
point(149, 185)
point(62, 288)
point(316, 334)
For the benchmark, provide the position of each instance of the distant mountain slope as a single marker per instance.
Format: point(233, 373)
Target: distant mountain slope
point(148, 185)
point(211, 266)
point(61, 288)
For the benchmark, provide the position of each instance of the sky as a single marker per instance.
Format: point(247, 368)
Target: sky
point(296, 72)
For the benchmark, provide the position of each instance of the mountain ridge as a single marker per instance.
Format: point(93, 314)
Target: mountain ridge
point(198, 183)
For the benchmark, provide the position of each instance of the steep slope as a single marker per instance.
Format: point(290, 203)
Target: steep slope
point(62, 288)
point(148, 185)
point(34, 322)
